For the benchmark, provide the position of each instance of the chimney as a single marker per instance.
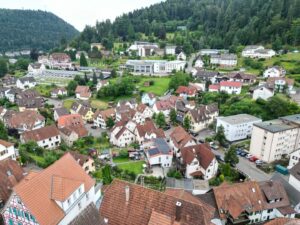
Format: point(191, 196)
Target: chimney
point(127, 192)
point(178, 211)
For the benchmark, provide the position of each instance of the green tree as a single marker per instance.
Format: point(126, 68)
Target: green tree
point(187, 123)
point(72, 87)
point(160, 120)
point(95, 79)
point(3, 132)
point(110, 122)
point(113, 73)
point(22, 64)
point(173, 116)
point(101, 76)
point(179, 79)
point(34, 54)
point(220, 135)
point(83, 61)
point(231, 156)
point(3, 67)
point(106, 175)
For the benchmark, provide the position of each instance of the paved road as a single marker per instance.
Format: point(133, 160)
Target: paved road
point(95, 132)
point(190, 62)
point(248, 168)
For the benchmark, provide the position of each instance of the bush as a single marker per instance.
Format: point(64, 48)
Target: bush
point(174, 173)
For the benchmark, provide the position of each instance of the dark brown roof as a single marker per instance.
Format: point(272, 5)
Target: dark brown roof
point(27, 117)
point(80, 130)
point(201, 152)
point(11, 173)
point(30, 103)
point(203, 112)
point(180, 137)
point(40, 134)
point(80, 158)
point(89, 216)
point(61, 111)
point(209, 198)
point(149, 128)
point(295, 171)
point(142, 202)
point(241, 75)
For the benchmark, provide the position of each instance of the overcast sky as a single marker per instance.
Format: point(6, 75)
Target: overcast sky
point(80, 12)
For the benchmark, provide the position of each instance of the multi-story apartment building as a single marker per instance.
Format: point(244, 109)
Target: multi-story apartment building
point(273, 139)
point(237, 127)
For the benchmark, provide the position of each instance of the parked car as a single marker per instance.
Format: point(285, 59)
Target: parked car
point(253, 159)
point(94, 127)
point(167, 127)
point(238, 152)
point(259, 162)
point(243, 154)
point(248, 156)
point(226, 145)
point(220, 158)
point(215, 147)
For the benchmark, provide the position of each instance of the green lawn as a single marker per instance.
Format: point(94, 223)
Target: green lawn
point(98, 104)
point(44, 90)
point(68, 103)
point(160, 86)
point(120, 160)
point(136, 167)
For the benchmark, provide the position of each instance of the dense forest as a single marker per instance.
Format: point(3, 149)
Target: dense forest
point(27, 29)
point(197, 24)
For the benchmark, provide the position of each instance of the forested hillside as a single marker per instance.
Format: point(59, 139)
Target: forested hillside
point(209, 23)
point(27, 29)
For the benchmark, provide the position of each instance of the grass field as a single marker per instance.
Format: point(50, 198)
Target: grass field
point(159, 87)
point(68, 103)
point(136, 167)
point(44, 90)
point(98, 104)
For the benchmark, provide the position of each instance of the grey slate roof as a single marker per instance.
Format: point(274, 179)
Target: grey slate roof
point(162, 145)
point(240, 118)
point(292, 118)
point(61, 111)
point(89, 216)
point(275, 126)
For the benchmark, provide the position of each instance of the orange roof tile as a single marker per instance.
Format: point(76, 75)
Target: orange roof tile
point(36, 192)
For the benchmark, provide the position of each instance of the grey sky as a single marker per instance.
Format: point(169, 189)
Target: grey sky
point(80, 12)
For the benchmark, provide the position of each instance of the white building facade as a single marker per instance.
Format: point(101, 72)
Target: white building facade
point(7, 150)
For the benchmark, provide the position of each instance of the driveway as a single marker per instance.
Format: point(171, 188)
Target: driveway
point(248, 168)
point(56, 102)
point(190, 62)
point(95, 132)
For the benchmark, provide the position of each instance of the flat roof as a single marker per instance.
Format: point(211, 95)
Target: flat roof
point(240, 118)
point(292, 118)
point(275, 125)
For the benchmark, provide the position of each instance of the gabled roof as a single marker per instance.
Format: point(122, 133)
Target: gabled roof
point(80, 158)
point(201, 152)
point(203, 112)
point(186, 90)
point(89, 216)
point(105, 114)
point(295, 171)
point(143, 202)
point(271, 80)
point(40, 134)
point(241, 75)
point(180, 137)
point(11, 173)
point(70, 120)
point(61, 111)
point(5, 143)
point(214, 87)
point(149, 128)
point(230, 84)
point(27, 79)
point(27, 117)
point(37, 191)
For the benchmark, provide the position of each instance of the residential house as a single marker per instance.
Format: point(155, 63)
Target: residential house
point(274, 71)
point(294, 158)
point(63, 189)
point(158, 153)
point(143, 49)
point(179, 138)
point(149, 99)
point(70, 134)
point(245, 79)
point(237, 127)
point(214, 88)
point(46, 137)
point(281, 84)
point(199, 63)
point(83, 92)
point(187, 92)
point(202, 116)
point(30, 104)
point(131, 103)
point(262, 91)
point(182, 107)
point(36, 68)
point(170, 50)
point(125, 203)
point(124, 112)
point(231, 87)
point(122, 134)
point(25, 121)
point(84, 109)
point(198, 161)
point(142, 113)
point(7, 150)
point(70, 120)
point(147, 132)
point(224, 60)
point(11, 173)
point(181, 56)
point(251, 202)
point(60, 61)
point(101, 117)
point(203, 75)
point(86, 162)
point(258, 51)
point(9, 81)
point(59, 92)
point(11, 93)
point(26, 83)
point(271, 140)
point(101, 84)
point(213, 51)
point(294, 178)
point(165, 105)
point(58, 112)
point(283, 221)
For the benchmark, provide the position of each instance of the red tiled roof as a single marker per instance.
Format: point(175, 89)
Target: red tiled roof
point(138, 210)
point(202, 152)
point(230, 84)
point(186, 90)
point(6, 143)
point(214, 87)
point(70, 120)
point(28, 117)
point(180, 137)
point(37, 191)
point(283, 221)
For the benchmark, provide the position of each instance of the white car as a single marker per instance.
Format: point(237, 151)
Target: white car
point(259, 162)
point(248, 156)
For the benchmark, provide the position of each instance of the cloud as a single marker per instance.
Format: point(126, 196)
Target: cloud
point(79, 12)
